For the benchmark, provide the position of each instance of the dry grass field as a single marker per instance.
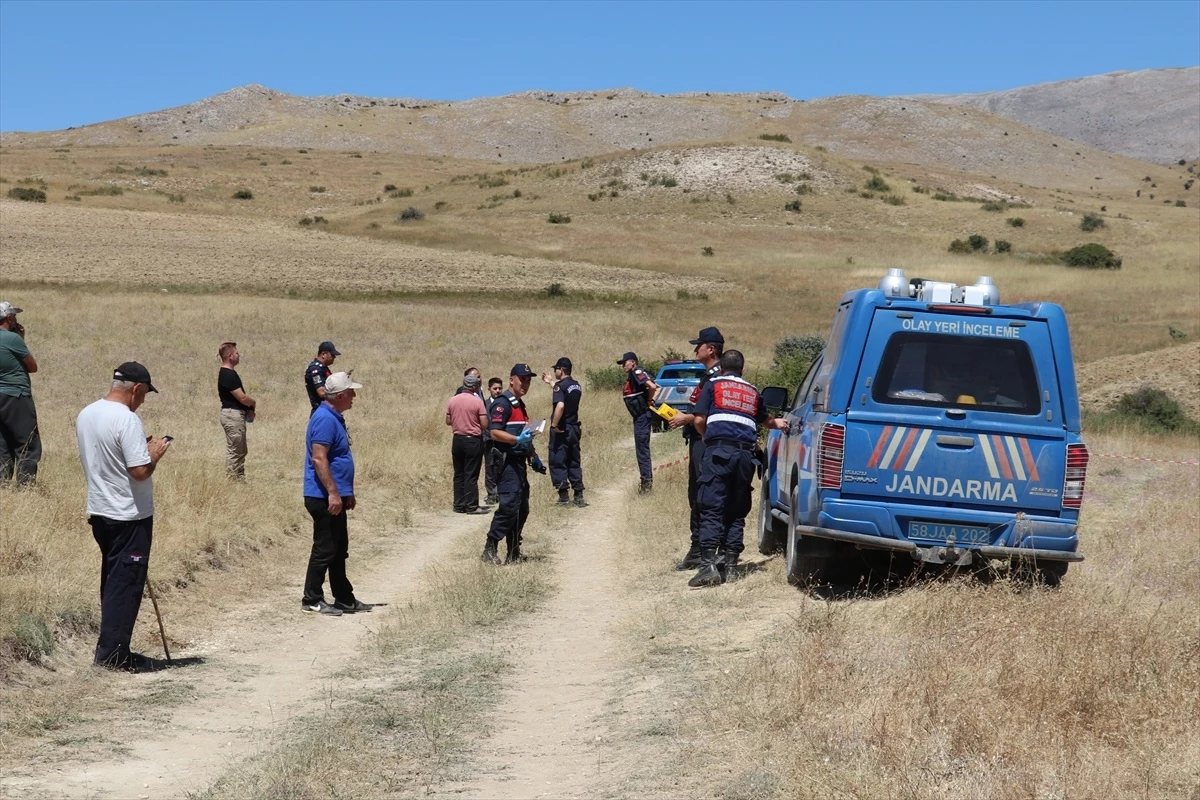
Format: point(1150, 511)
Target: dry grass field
point(943, 688)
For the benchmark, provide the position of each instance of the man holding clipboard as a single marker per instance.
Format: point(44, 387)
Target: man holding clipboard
point(512, 437)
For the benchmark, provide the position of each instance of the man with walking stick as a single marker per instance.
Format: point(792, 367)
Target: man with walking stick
point(118, 460)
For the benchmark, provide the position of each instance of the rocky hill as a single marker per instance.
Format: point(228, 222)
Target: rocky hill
point(1152, 115)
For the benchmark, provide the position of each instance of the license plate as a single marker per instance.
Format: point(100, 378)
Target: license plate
point(943, 534)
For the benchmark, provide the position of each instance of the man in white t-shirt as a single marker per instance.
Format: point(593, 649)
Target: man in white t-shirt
point(118, 460)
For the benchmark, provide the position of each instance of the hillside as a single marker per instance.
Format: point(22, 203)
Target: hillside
point(1152, 115)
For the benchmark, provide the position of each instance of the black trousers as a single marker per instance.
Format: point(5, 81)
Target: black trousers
point(493, 463)
point(20, 442)
point(330, 549)
point(726, 475)
point(695, 459)
point(125, 559)
point(467, 455)
point(566, 459)
point(510, 516)
point(641, 445)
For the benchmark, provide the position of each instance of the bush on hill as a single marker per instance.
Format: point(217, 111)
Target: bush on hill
point(1091, 256)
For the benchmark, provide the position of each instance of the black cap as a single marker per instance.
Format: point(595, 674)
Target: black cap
point(709, 336)
point(564, 363)
point(135, 372)
point(630, 356)
point(327, 347)
point(521, 371)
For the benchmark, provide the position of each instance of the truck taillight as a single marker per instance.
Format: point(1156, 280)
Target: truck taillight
point(829, 456)
point(1077, 462)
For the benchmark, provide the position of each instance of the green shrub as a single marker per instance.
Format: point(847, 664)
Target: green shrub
point(959, 246)
point(389, 187)
point(107, 191)
point(1091, 222)
point(1003, 246)
point(793, 206)
point(439, 205)
point(1091, 256)
point(317, 189)
point(894, 200)
point(556, 290)
point(411, 213)
point(684, 294)
point(793, 356)
point(29, 638)
point(707, 251)
point(919, 189)
point(175, 198)
point(405, 192)
point(28, 195)
point(558, 219)
point(946, 197)
point(1181, 204)
point(1154, 409)
point(610, 377)
point(804, 188)
point(1176, 333)
point(1016, 222)
point(775, 137)
point(993, 206)
point(243, 194)
point(306, 221)
point(877, 184)
point(978, 243)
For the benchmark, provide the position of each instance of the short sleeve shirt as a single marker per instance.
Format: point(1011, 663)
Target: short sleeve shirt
point(569, 393)
point(314, 378)
point(227, 381)
point(465, 409)
point(328, 427)
point(111, 440)
point(14, 378)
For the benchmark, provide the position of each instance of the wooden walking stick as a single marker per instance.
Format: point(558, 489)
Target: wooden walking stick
point(161, 631)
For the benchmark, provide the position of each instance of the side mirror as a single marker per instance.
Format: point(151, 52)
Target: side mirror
point(775, 398)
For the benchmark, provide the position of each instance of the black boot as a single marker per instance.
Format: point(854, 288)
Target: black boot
point(691, 560)
point(645, 486)
point(579, 501)
point(730, 572)
point(514, 550)
point(564, 497)
point(490, 556)
point(708, 574)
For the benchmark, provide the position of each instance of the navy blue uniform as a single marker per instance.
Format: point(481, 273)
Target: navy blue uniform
point(566, 465)
point(314, 378)
point(636, 394)
point(733, 410)
point(695, 443)
point(508, 414)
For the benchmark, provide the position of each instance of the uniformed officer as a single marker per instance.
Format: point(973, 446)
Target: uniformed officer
point(566, 468)
point(317, 371)
point(512, 439)
point(638, 391)
point(727, 414)
point(710, 345)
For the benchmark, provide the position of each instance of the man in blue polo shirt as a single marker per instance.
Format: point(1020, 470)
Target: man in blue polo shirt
point(328, 496)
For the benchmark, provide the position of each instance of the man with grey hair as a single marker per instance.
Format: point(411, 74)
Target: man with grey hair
point(20, 442)
point(118, 460)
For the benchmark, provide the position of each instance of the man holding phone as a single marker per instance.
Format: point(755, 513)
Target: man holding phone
point(118, 460)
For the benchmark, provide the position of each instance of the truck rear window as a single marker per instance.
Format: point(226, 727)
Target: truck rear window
point(931, 370)
point(680, 374)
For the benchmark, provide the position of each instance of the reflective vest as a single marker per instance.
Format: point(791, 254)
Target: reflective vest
point(735, 410)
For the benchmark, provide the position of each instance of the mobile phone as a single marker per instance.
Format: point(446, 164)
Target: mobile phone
point(169, 438)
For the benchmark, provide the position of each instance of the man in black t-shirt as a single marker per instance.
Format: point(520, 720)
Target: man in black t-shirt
point(566, 469)
point(317, 371)
point(237, 408)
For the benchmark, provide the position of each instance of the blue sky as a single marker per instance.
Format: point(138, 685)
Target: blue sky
point(72, 63)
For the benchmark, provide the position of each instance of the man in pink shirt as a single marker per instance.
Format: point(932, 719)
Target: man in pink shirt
point(467, 417)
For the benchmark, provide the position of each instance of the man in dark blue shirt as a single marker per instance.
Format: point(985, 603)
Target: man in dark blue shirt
point(637, 392)
point(727, 414)
point(328, 496)
point(508, 422)
point(317, 371)
point(566, 466)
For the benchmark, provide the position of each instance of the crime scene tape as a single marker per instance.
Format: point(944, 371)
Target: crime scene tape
point(676, 462)
point(1143, 458)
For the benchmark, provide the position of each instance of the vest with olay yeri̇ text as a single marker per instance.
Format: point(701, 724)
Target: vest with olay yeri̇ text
point(508, 415)
point(733, 409)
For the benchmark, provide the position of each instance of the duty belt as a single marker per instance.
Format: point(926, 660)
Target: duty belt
point(749, 446)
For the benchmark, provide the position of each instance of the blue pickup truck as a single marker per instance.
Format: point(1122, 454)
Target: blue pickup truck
point(937, 424)
point(678, 379)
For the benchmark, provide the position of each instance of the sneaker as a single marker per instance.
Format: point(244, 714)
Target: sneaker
point(321, 607)
point(352, 608)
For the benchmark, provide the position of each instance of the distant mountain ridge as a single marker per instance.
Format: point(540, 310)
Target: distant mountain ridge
point(1152, 115)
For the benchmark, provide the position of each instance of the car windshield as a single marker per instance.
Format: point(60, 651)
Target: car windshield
point(680, 373)
point(944, 371)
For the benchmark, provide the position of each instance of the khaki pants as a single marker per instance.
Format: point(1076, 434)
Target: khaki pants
point(234, 423)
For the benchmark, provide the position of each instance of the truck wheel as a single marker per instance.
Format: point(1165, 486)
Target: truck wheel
point(1046, 573)
point(771, 533)
point(807, 559)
